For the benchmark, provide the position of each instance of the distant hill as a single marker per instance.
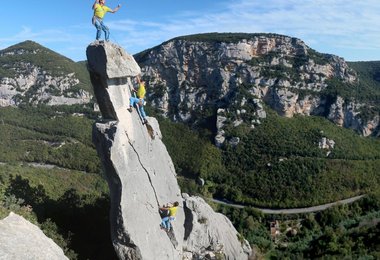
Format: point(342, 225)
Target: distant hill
point(33, 74)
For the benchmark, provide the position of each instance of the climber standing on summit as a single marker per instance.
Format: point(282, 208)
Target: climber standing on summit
point(139, 100)
point(100, 9)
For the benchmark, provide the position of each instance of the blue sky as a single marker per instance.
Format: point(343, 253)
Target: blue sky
point(347, 28)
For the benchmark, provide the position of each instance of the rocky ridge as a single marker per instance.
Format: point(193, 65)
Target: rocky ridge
point(27, 76)
point(237, 75)
point(141, 175)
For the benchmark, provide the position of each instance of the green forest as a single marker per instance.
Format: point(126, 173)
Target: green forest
point(279, 164)
point(341, 232)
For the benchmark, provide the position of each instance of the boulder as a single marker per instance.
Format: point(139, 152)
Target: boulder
point(20, 239)
point(209, 232)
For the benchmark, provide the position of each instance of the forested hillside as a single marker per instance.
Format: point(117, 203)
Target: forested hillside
point(342, 232)
point(279, 164)
point(51, 174)
point(49, 190)
point(368, 87)
point(51, 62)
point(31, 74)
point(48, 135)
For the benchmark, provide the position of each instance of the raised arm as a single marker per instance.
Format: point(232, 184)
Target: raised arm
point(138, 79)
point(96, 2)
point(117, 8)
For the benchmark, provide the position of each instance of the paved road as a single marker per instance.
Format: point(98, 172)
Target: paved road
point(294, 210)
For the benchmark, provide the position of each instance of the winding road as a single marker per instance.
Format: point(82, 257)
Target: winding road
point(294, 210)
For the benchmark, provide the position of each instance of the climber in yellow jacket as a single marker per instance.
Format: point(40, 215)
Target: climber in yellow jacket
point(139, 100)
point(100, 10)
point(171, 210)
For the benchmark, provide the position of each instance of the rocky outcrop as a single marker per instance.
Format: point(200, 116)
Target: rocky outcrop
point(138, 168)
point(207, 232)
point(346, 114)
point(20, 239)
point(282, 72)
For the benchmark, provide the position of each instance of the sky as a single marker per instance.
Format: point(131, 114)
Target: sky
point(347, 28)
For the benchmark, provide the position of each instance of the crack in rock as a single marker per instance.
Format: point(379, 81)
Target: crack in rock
point(142, 165)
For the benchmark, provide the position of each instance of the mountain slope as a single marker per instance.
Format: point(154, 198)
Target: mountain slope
point(284, 162)
point(33, 74)
point(368, 88)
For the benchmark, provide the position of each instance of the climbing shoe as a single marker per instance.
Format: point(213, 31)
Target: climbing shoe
point(129, 109)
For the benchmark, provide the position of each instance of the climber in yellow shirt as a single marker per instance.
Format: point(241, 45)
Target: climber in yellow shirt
point(171, 211)
point(139, 100)
point(100, 9)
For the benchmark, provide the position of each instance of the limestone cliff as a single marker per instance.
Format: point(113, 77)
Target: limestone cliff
point(240, 73)
point(139, 170)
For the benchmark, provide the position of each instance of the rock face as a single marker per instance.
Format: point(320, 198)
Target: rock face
point(20, 239)
point(190, 74)
point(138, 168)
point(206, 230)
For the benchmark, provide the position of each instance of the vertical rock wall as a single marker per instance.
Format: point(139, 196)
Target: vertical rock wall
point(138, 169)
point(141, 175)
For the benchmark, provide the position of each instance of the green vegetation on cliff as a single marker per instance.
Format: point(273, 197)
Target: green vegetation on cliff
point(70, 207)
point(367, 89)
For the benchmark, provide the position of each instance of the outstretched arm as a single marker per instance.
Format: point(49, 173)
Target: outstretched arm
point(96, 2)
point(117, 8)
